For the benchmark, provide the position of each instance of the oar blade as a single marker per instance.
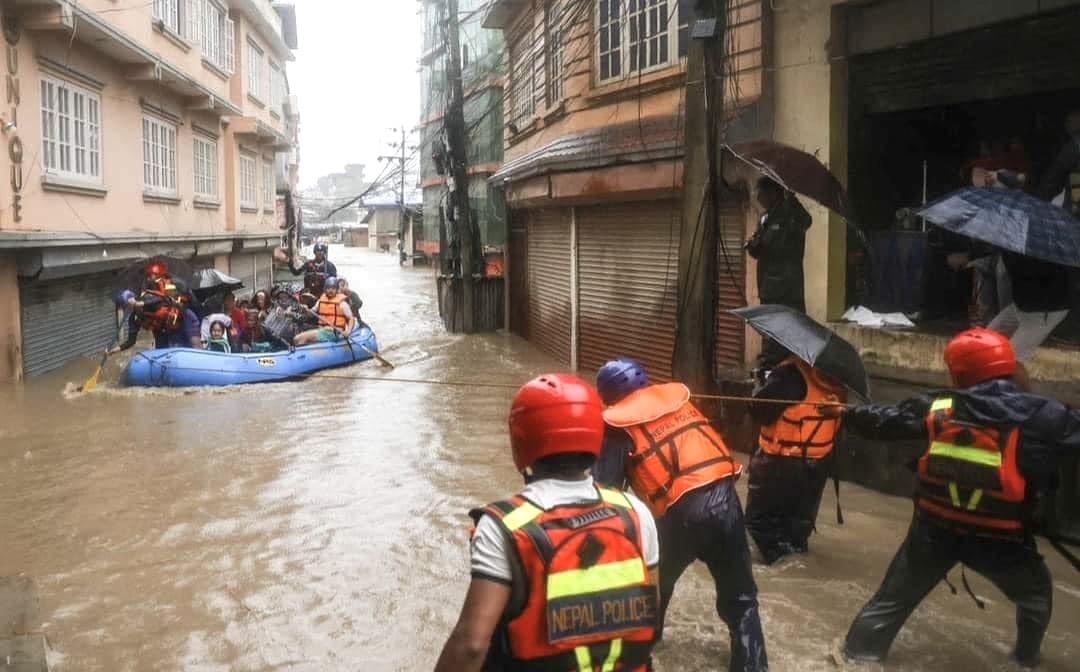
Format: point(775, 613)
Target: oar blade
point(92, 381)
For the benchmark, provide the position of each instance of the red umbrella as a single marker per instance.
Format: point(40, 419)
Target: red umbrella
point(795, 170)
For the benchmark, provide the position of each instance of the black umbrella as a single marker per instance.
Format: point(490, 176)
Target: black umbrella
point(795, 170)
point(1011, 220)
point(811, 342)
point(210, 281)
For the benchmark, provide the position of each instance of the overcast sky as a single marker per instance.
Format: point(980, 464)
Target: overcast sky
point(355, 76)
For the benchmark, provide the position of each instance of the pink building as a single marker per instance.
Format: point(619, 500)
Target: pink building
point(134, 129)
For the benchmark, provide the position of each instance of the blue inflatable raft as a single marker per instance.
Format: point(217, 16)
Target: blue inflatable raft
point(188, 367)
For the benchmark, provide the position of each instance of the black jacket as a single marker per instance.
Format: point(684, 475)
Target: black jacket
point(784, 383)
point(1048, 428)
point(1037, 286)
point(778, 245)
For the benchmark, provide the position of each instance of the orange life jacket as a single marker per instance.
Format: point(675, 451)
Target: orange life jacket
point(968, 477)
point(163, 314)
point(801, 430)
point(589, 604)
point(330, 311)
point(675, 448)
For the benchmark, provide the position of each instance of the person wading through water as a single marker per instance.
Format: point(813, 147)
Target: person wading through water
point(563, 573)
point(679, 465)
point(992, 450)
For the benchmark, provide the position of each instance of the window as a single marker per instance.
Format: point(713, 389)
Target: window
point(248, 195)
point(268, 184)
point(637, 36)
point(181, 17)
point(159, 157)
point(523, 88)
point(254, 70)
point(70, 131)
point(277, 87)
point(206, 168)
point(218, 36)
point(554, 48)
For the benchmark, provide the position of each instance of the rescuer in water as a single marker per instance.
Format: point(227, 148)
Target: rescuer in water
point(162, 313)
point(563, 573)
point(679, 465)
point(794, 456)
point(992, 448)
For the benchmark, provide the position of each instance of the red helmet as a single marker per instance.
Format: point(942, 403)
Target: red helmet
point(979, 354)
point(155, 268)
point(553, 414)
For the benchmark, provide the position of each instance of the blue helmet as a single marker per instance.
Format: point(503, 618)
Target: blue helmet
point(618, 378)
point(123, 297)
point(331, 281)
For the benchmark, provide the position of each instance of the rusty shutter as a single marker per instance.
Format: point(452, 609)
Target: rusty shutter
point(518, 272)
point(548, 268)
point(729, 354)
point(628, 270)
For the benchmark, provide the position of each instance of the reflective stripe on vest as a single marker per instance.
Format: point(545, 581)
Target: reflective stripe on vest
point(968, 477)
point(801, 431)
point(330, 311)
point(676, 450)
point(590, 604)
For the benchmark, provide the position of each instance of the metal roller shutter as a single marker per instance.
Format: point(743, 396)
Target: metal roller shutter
point(65, 319)
point(242, 267)
point(628, 270)
point(730, 352)
point(548, 242)
point(264, 271)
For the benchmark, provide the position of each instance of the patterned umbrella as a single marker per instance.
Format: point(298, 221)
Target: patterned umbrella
point(1011, 220)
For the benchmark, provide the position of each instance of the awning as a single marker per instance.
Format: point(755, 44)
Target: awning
point(652, 139)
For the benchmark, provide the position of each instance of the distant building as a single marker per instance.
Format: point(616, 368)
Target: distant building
point(383, 217)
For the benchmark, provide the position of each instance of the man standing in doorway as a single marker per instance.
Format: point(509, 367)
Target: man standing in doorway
point(1063, 176)
point(778, 245)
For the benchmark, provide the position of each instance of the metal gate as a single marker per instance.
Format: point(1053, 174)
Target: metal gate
point(65, 319)
point(628, 272)
point(548, 242)
point(729, 354)
point(242, 267)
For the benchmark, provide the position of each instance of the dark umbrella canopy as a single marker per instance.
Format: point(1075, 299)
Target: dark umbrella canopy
point(795, 170)
point(811, 342)
point(210, 281)
point(1011, 220)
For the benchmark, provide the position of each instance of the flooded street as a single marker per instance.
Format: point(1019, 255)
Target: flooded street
point(320, 525)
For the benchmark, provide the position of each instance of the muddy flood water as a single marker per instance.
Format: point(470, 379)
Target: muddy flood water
point(320, 524)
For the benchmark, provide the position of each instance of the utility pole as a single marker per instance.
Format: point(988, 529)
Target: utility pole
point(403, 145)
point(695, 334)
point(458, 212)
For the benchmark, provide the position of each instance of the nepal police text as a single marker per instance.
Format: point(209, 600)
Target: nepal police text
point(606, 612)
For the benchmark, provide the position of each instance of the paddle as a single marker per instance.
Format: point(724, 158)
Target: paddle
point(92, 381)
point(382, 360)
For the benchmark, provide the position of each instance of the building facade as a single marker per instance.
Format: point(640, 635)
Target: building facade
point(483, 72)
point(161, 128)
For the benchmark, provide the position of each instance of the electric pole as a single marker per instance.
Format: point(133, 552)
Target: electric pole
point(401, 160)
point(459, 212)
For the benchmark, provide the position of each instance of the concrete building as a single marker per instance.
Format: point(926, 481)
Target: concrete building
point(483, 70)
point(593, 176)
point(158, 128)
point(383, 217)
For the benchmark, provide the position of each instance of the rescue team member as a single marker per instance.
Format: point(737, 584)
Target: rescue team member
point(315, 271)
point(157, 276)
point(333, 309)
point(992, 448)
point(172, 324)
point(562, 574)
point(678, 464)
point(794, 457)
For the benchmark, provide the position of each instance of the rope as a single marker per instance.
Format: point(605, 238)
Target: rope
point(451, 383)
